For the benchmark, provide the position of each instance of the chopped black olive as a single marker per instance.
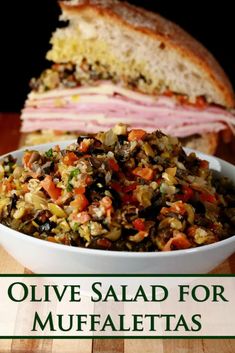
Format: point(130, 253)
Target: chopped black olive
point(198, 206)
point(47, 226)
point(122, 139)
point(12, 205)
point(48, 167)
point(116, 199)
point(152, 211)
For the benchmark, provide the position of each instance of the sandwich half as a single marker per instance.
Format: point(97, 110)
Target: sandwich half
point(114, 62)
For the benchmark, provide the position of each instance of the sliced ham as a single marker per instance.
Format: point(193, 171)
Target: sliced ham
point(98, 108)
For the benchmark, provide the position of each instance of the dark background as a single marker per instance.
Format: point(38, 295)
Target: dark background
point(26, 27)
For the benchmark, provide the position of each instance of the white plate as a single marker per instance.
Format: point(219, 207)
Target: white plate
point(45, 257)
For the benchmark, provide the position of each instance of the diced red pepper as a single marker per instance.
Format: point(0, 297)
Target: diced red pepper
point(187, 194)
point(70, 158)
point(129, 188)
point(26, 159)
point(191, 231)
point(145, 173)
point(113, 165)
point(206, 197)
point(178, 241)
point(128, 198)
point(104, 243)
point(121, 175)
point(176, 207)
point(80, 202)
point(159, 180)
point(88, 180)
point(80, 190)
point(136, 135)
point(84, 145)
point(50, 187)
point(116, 186)
point(9, 185)
point(139, 224)
point(204, 164)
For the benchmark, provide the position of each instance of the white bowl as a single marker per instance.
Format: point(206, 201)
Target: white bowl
point(45, 257)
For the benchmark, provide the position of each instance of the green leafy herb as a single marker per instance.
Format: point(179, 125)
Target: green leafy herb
point(72, 174)
point(49, 153)
point(69, 187)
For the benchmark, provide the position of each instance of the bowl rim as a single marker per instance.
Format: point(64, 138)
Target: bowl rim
point(100, 252)
point(116, 253)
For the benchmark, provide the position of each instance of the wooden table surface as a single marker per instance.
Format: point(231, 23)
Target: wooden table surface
point(9, 140)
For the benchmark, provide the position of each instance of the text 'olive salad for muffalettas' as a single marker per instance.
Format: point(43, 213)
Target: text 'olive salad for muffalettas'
point(118, 190)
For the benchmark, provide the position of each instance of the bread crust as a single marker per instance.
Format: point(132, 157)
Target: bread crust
point(213, 139)
point(170, 34)
point(206, 143)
